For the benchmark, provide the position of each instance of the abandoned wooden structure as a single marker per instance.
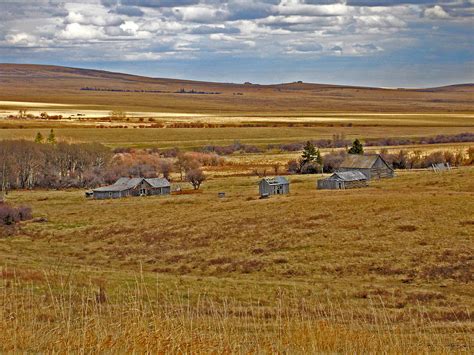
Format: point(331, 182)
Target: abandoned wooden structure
point(373, 166)
point(439, 167)
point(277, 185)
point(343, 180)
point(124, 187)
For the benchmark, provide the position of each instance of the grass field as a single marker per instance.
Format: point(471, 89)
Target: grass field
point(198, 137)
point(386, 268)
point(383, 269)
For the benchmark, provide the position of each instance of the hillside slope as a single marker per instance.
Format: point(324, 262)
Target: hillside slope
point(99, 89)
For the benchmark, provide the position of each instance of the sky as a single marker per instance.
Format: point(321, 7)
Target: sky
point(385, 43)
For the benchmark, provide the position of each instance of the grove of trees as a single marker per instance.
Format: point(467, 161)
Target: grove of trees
point(46, 163)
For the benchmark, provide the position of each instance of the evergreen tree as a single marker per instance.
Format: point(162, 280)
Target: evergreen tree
point(318, 159)
point(311, 160)
point(39, 138)
point(356, 148)
point(51, 137)
point(309, 153)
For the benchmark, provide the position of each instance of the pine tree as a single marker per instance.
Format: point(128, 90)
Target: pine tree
point(318, 159)
point(39, 138)
point(51, 137)
point(309, 153)
point(356, 148)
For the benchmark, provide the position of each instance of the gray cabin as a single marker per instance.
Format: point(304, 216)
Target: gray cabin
point(343, 180)
point(124, 187)
point(277, 185)
point(373, 166)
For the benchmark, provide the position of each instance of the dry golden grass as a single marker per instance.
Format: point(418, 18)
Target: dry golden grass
point(382, 269)
point(199, 137)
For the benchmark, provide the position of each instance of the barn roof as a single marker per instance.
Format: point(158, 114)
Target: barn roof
point(352, 175)
point(158, 182)
point(357, 161)
point(113, 188)
point(277, 180)
point(129, 182)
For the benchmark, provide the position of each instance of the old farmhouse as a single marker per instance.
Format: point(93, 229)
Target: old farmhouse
point(373, 166)
point(277, 185)
point(124, 187)
point(343, 180)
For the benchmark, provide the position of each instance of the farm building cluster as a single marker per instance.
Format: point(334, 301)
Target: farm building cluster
point(355, 171)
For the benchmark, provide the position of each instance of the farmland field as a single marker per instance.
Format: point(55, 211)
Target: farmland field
point(198, 137)
point(386, 268)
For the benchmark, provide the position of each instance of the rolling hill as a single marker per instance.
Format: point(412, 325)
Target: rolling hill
point(102, 89)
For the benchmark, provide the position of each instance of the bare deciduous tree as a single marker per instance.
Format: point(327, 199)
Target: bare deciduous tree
point(195, 177)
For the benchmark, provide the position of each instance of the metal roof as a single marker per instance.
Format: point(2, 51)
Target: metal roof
point(112, 188)
point(359, 161)
point(352, 175)
point(130, 182)
point(277, 180)
point(158, 182)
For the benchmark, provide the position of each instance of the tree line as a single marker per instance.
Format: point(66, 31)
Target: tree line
point(46, 163)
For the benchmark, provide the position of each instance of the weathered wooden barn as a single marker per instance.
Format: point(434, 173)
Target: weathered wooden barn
point(373, 166)
point(124, 187)
point(343, 180)
point(277, 185)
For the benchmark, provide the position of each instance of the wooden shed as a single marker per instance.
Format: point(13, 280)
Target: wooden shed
point(373, 166)
point(124, 187)
point(343, 180)
point(277, 185)
point(440, 167)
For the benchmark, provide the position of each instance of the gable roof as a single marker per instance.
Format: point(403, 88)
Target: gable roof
point(158, 182)
point(129, 182)
point(357, 161)
point(277, 180)
point(351, 175)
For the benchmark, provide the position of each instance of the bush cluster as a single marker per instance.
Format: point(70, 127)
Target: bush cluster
point(10, 215)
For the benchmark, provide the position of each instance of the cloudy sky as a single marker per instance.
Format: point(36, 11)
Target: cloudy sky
point(391, 43)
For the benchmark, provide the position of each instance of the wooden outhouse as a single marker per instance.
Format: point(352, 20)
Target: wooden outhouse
point(343, 180)
point(373, 166)
point(277, 185)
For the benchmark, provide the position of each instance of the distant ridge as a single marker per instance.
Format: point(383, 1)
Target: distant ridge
point(101, 89)
point(7, 69)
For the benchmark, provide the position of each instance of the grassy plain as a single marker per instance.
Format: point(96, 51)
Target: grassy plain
point(383, 269)
point(386, 268)
point(198, 137)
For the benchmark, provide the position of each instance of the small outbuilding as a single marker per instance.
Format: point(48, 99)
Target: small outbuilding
point(124, 187)
point(343, 180)
point(440, 167)
point(373, 166)
point(277, 185)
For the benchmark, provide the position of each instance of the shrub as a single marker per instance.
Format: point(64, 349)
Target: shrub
point(10, 215)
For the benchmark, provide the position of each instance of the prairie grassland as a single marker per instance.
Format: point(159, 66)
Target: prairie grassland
point(197, 137)
point(385, 268)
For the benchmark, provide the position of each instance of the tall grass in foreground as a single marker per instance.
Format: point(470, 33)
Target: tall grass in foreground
point(53, 313)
